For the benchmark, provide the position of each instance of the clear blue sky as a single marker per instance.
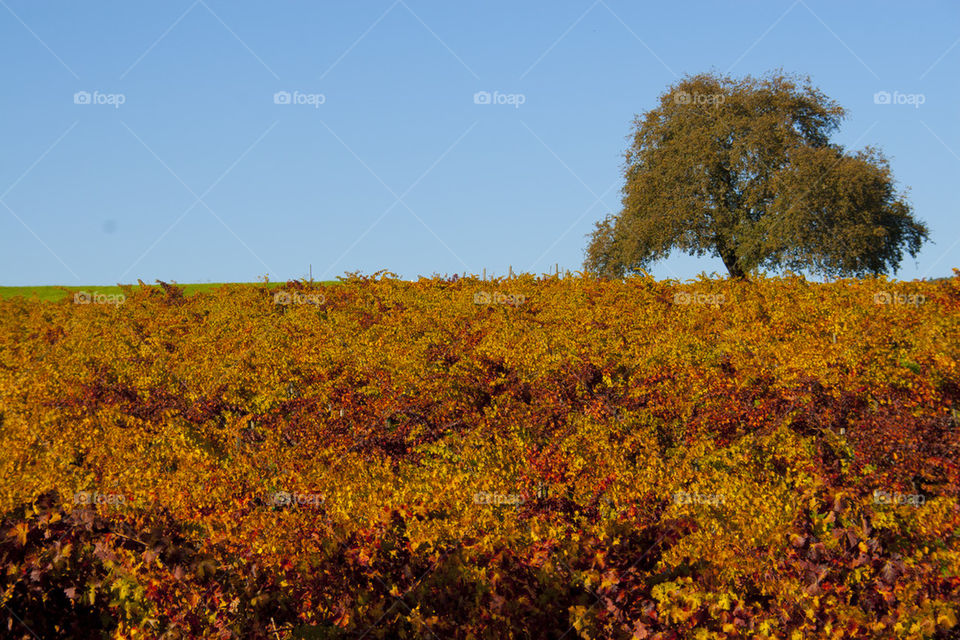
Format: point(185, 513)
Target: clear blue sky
point(199, 175)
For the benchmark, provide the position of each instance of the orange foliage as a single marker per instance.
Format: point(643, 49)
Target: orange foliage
point(711, 459)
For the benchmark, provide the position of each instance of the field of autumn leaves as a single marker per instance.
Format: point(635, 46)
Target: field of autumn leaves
point(518, 458)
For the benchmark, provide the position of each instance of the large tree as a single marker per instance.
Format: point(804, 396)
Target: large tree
point(744, 170)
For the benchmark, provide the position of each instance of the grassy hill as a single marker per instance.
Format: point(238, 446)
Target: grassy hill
point(54, 293)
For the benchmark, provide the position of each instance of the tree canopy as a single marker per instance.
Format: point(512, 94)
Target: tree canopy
point(744, 170)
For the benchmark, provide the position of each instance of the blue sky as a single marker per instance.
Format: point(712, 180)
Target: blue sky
point(148, 140)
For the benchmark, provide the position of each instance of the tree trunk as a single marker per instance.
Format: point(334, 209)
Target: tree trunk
point(730, 262)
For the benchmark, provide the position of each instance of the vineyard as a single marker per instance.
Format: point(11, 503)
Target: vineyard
point(459, 458)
